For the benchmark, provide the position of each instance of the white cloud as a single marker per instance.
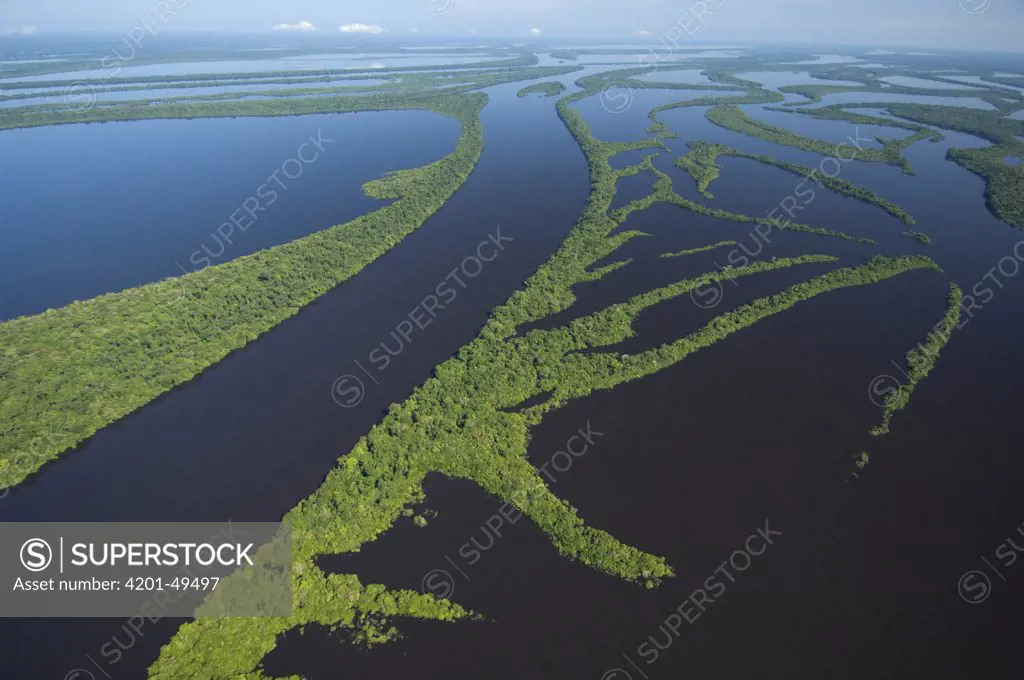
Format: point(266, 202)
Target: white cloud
point(642, 33)
point(361, 28)
point(535, 31)
point(301, 26)
point(414, 30)
point(24, 30)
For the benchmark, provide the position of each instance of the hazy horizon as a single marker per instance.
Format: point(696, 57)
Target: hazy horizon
point(987, 25)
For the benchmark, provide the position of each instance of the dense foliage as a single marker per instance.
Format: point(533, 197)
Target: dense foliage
point(815, 93)
point(414, 92)
point(663, 192)
point(1004, 183)
point(471, 421)
point(552, 88)
point(701, 249)
point(921, 359)
point(230, 80)
point(733, 118)
point(68, 372)
point(699, 162)
point(519, 60)
point(78, 368)
point(836, 184)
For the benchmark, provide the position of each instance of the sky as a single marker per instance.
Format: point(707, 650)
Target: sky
point(961, 24)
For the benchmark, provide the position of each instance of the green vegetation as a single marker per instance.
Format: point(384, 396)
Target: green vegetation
point(418, 93)
point(732, 118)
point(630, 78)
point(79, 62)
point(699, 161)
point(861, 460)
point(86, 88)
point(470, 421)
point(68, 372)
point(921, 360)
point(988, 125)
point(329, 81)
point(564, 54)
point(755, 96)
point(814, 93)
point(455, 424)
point(836, 184)
point(1004, 183)
point(552, 88)
point(658, 128)
point(396, 87)
point(630, 50)
point(918, 236)
point(837, 112)
point(79, 368)
point(523, 59)
point(727, 76)
point(1012, 81)
point(663, 192)
point(702, 249)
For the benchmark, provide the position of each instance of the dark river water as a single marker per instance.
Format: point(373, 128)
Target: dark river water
point(755, 432)
point(91, 209)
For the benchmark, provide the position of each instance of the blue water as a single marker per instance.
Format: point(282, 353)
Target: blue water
point(761, 425)
point(835, 131)
point(870, 97)
point(619, 114)
point(91, 209)
point(830, 59)
point(263, 419)
point(925, 83)
point(684, 76)
point(77, 93)
point(775, 79)
point(658, 51)
point(298, 64)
